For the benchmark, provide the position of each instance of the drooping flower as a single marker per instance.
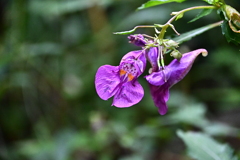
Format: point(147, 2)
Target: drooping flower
point(162, 80)
point(120, 81)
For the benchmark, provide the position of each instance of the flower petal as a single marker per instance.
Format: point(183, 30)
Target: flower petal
point(158, 78)
point(137, 40)
point(161, 81)
point(129, 94)
point(107, 81)
point(153, 58)
point(133, 54)
point(178, 69)
point(160, 96)
point(138, 56)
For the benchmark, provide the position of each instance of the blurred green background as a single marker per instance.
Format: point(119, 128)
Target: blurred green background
point(49, 110)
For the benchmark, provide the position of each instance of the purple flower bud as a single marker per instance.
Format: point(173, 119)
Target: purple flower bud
point(137, 40)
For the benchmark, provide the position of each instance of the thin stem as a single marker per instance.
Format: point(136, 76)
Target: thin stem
point(176, 14)
point(189, 9)
point(145, 26)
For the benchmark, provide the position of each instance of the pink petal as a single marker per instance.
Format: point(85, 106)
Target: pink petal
point(107, 81)
point(158, 78)
point(129, 94)
point(160, 96)
point(179, 69)
point(132, 54)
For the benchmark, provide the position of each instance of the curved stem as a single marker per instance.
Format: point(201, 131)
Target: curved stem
point(144, 26)
point(176, 14)
point(189, 9)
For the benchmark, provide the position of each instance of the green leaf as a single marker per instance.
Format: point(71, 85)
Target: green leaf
point(189, 35)
point(220, 129)
point(203, 147)
point(211, 1)
point(152, 3)
point(126, 32)
point(49, 8)
point(229, 34)
point(203, 13)
point(191, 114)
point(179, 16)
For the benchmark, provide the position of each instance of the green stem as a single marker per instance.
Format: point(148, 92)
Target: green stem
point(145, 26)
point(176, 14)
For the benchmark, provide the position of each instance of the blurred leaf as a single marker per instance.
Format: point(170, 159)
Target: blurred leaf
point(152, 3)
point(211, 1)
point(66, 137)
point(229, 34)
point(46, 48)
point(220, 129)
point(189, 35)
point(203, 13)
point(142, 17)
point(132, 157)
point(192, 114)
point(178, 98)
point(202, 147)
point(20, 79)
point(37, 150)
point(62, 7)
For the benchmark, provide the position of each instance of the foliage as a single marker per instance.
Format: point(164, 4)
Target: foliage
point(203, 13)
point(201, 146)
point(49, 54)
point(152, 3)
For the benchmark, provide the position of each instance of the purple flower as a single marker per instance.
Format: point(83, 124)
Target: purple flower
point(153, 58)
point(137, 40)
point(161, 80)
point(121, 81)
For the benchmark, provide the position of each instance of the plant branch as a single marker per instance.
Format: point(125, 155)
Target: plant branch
point(176, 14)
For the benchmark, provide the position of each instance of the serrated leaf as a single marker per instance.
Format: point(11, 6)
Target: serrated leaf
point(200, 146)
point(152, 3)
point(229, 34)
point(203, 13)
point(189, 35)
point(126, 32)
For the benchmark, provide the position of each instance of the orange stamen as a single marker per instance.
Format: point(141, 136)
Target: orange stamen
point(122, 72)
point(130, 77)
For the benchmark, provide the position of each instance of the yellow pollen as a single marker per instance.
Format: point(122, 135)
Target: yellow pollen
point(130, 77)
point(122, 72)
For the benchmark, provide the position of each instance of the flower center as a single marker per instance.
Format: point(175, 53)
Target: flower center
point(128, 70)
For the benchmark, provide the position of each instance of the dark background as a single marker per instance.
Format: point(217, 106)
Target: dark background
point(49, 109)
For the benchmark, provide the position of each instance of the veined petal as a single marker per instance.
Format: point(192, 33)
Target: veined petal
point(158, 78)
point(132, 54)
point(142, 61)
point(107, 81)
point(178, 69)
point(161, 81)
point(160, 96)
point(138, 56)
point(153, 58)
point(128, 95)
